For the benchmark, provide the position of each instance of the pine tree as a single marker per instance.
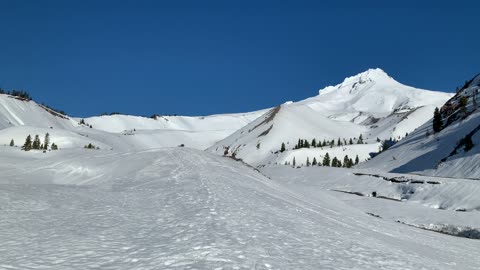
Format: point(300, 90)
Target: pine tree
point(314, 143)
point(339, 143)
point(356, 160)
point(54, 146)
point(350, 162)
point(308, 162)
point(314, 162)
point(293, 162)
point(282, 149)
point(324, 143)
point(326, 160)
point(351, 141)
point(306, 144)
point(36, 143)
point(437, 121)
point(463, 104)
point(301, 144)
point(27, 146)
point(12, 143)
point(346, 162)
point(46, 141)
point(334, 162)
point(360, 139)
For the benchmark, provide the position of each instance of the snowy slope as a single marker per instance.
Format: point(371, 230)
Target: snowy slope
point(19, 118)
point(17, 112)
point(185, 209)
point(441, 204)
point(370, 103)
point(442, 153)
point(222, 122)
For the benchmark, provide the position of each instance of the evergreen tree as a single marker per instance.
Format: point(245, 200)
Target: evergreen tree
point(339, 143)
point(326, 160)
point(346, 163)
point(308, 162)
point(437, 121)
point(27, 146)
point(463, 104)
point(314, 162)
point(282, 149)
point(12, 143)
point(306, 144)
point(356, 160)
point(351, 141)
point(54, 146)
point(334, 162)
point(350, 162)
point(293, 162)
point(46, 141)
point(324, 143)
point(386, 145)
point(301, 144)
point(314, 143)
point(360, 139)
point(36, 143)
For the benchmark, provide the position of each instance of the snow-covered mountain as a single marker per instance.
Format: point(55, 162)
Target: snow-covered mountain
point(370, 104)
point(138, 203)
point(452, 152)
point(21, 117)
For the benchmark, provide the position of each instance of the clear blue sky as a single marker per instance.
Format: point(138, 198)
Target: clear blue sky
point(184, 57)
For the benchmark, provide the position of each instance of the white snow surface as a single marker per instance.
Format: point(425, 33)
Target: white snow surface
point(179, 208)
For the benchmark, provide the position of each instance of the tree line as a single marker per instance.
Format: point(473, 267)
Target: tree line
point(328, 162)
point(304, 143)
point(36, 143)
point(17, 93)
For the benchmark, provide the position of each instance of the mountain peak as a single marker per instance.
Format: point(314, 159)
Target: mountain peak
point(373, 75)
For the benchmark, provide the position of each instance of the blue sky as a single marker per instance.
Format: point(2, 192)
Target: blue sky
point(192, 58)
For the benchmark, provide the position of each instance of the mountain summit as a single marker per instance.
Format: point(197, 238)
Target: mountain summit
point(371, 104)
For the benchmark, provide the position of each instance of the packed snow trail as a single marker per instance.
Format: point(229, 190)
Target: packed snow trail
point(186, 209)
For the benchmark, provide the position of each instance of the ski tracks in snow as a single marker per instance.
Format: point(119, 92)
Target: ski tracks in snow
point(185, 209)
